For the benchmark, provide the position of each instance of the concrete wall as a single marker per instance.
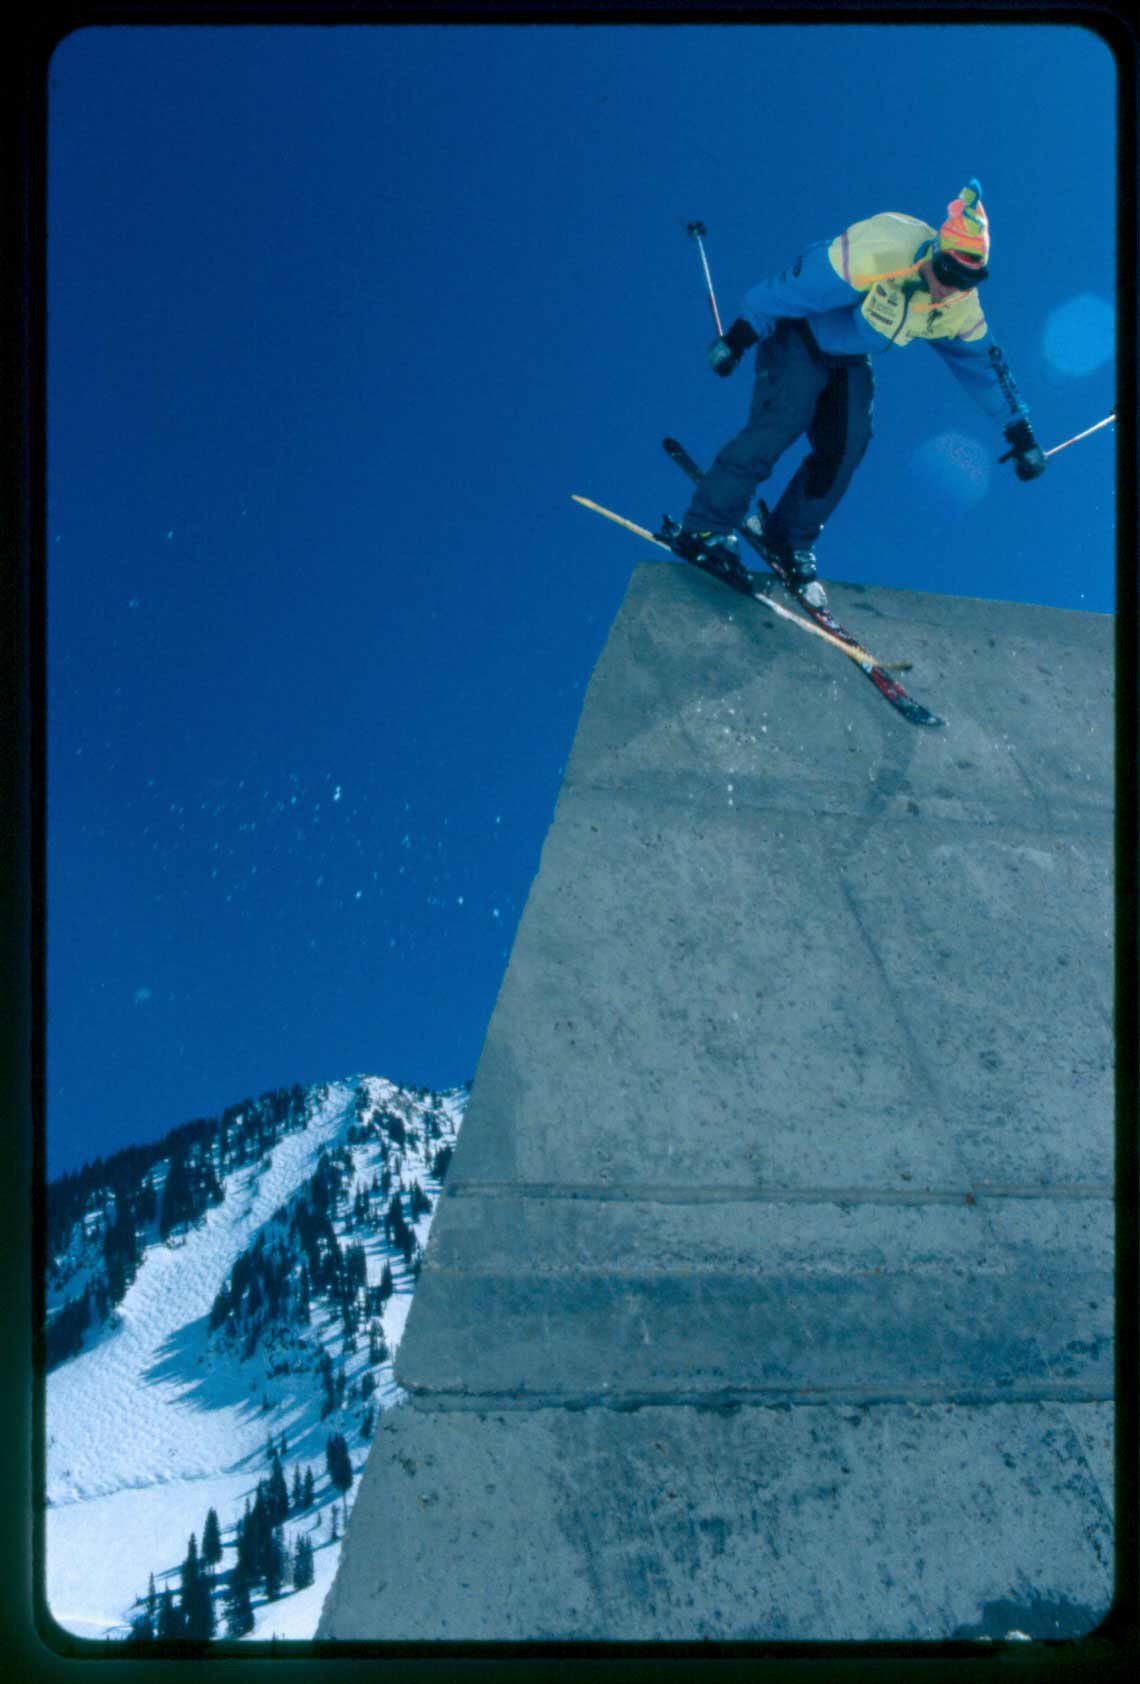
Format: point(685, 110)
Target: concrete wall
point(771, 1296)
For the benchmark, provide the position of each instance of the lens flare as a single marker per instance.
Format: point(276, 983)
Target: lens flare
point(1080, 335)
point(955, 469)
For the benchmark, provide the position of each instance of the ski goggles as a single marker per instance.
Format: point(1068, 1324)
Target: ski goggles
point(954, 271)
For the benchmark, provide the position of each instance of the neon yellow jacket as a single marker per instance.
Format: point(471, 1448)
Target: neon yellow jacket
point(877, 258)
point(861, 293)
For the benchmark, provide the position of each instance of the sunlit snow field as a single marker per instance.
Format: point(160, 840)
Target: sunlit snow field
point(147, 1431)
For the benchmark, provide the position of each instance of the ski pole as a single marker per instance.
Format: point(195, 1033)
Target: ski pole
point(697, 230)
point(1068, 442)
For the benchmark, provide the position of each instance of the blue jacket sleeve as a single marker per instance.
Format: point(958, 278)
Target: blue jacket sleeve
point(808, 288)
point(979, 366)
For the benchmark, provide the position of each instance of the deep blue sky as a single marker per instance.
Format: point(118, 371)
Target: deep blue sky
point(338, 319)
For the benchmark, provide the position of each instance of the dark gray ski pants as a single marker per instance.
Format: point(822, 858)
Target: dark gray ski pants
point(798, 390)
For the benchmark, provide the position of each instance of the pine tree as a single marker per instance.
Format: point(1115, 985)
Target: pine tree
point(177, 1196)
point(198, 1607)
point(262, 1523)
point(197, 1603)
point(275, 1565)
point(242, 1544)
point(189, 1568)
point(357, 1268)
point(238, 1609)
point(377, 1346)
point(169, 1617)
point(148, 1204)
point(339, 1462)
point(142, 1625)
point(278, 1498)
point(256, 1537)
point(307, 1488)
point(211, 1540)
point(210, 1187)
point(303, 1563)
point(296, 1496)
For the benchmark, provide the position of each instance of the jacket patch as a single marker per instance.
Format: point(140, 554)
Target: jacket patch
point(897, 311)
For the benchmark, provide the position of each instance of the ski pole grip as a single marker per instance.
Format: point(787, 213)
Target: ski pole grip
point(1076, 438)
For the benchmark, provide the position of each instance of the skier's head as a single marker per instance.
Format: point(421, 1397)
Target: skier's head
point(962, 253)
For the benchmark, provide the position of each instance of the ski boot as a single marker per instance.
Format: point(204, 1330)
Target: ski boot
point(715, 552)
point(797, 565)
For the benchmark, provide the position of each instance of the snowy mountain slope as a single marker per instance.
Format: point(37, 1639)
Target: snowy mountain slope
point(163, 1415)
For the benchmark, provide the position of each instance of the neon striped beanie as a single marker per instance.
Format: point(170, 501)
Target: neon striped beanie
point(966, 231)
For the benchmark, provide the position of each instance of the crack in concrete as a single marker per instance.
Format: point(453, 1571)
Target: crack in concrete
point(729, 1400)
point(648, 1193)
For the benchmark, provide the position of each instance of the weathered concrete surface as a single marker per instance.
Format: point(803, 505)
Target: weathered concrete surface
point(772, 1294)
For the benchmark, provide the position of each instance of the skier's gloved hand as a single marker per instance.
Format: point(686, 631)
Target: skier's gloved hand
point(1028, 457)
point(724, 353)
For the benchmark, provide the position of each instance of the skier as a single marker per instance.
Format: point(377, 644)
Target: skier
point(885, 281)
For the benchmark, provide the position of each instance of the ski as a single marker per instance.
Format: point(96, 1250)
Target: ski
point(875, 670)
point(887, 686)
point(661, 539)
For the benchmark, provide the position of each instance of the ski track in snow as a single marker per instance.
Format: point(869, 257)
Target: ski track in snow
point(143, 1438)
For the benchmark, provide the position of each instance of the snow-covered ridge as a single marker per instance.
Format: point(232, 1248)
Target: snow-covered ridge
point(159, 1419)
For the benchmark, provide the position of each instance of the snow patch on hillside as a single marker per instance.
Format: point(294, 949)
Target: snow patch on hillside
point(158, 1421)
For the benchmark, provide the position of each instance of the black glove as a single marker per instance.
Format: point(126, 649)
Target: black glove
point(724, 353)
point(1028, 457)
